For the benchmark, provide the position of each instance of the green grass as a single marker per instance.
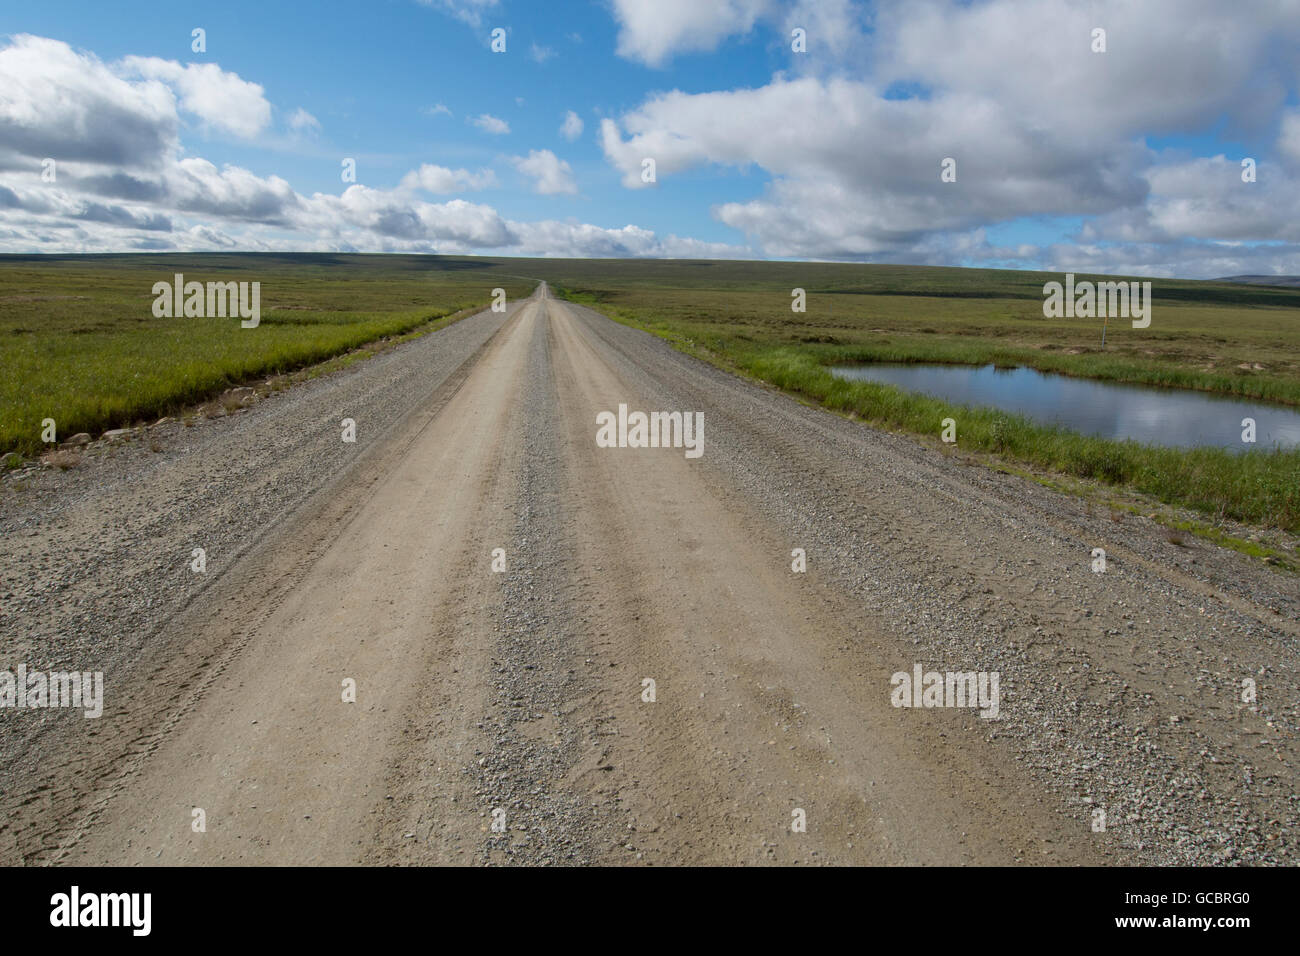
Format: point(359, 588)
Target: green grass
point(738, 316)
point(1261, 488)
point(79, 342)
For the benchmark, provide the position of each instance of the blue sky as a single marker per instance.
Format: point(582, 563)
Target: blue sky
point(1126, 159)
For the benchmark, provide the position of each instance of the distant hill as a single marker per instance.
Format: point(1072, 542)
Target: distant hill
point(1288, 281)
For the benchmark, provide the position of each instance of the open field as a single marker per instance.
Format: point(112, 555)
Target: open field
point(79, 342)
point(1207, 336)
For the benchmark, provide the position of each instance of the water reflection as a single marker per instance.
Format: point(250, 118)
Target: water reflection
point(1155, 416)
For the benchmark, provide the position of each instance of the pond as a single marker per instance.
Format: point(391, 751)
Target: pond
point(1154, 416)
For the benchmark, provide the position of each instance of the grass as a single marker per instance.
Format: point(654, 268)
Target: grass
point(738, 316)
point(1213, 530)
point(79, 342)
point(1261, 488)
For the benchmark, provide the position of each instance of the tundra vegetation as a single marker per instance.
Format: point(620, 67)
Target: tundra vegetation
point(80, 341)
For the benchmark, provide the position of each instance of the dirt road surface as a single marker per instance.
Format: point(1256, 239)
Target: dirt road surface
point(505, 716)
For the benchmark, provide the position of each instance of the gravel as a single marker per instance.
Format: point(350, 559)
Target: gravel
point(1122, 690)
point(96, 559)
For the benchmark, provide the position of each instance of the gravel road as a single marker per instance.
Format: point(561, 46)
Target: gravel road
point(637, 675)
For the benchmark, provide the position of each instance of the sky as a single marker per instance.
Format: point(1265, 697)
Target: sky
point(781, 129)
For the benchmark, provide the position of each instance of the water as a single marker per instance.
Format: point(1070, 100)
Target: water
point(1155, 416)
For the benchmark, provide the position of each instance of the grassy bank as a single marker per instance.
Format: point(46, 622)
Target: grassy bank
point(1201, 335)
point(1261, 488)
point(79, 342)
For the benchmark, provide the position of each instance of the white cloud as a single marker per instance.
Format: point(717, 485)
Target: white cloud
point(551, 175)
point(490, 124)
point(832, 31)
point(380, 216)
point(1038, 130)
point(440, 179)
point(218, 98)
point(195, 185)
point(125, 184)
point(301, 121)
point(841, 166)
point(581, 240)
point(571, 128)
point(1151, 78)
point(651, 31)
point(438, 109)
point(849, 169)
point(541, 53)
point(55, 101)
point(1205, 199)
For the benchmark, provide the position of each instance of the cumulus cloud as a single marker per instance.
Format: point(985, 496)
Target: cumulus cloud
point(490, 124)
point(571, 128)
point(550, 174)
point(843, 146)
point(833, 29)
point(125, 183)
point(382, 213)
point(652, 31)
point(220, 99)
point(197, 186)
point(60, 103)
point(1204, 198)
point(846, 167)
point(1039, 129)
point(440, 179)
point(1151, 79)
